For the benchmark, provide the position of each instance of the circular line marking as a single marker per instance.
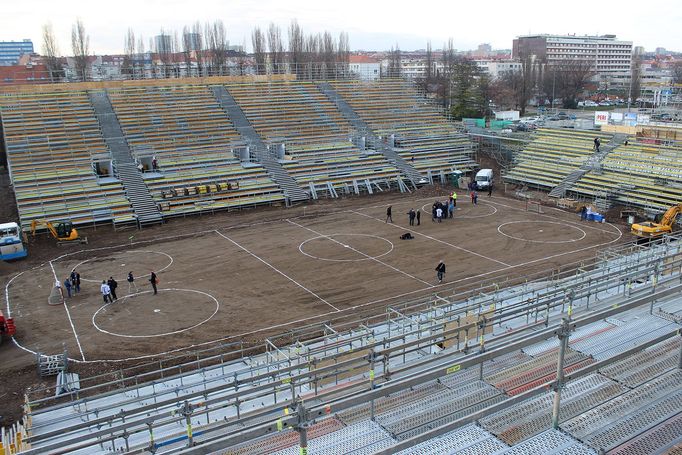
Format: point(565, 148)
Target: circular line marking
point(141, 276)
point(217, 307)
point(369, 258)
point(427, 209)
point(499, 229)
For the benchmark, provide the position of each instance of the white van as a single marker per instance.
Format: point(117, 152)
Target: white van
point(484, 178)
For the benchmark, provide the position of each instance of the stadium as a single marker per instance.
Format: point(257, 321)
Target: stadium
point(291, 316)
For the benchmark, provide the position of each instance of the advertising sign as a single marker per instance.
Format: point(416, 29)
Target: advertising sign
point(642, 119)
point(616, 117)
point(601, 118)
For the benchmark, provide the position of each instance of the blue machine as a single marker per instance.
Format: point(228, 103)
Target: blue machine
point(11, 244)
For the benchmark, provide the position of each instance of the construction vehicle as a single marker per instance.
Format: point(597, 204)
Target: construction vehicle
point(7, 328)
point(11, 244)
point(64, 232)
point(653, 230)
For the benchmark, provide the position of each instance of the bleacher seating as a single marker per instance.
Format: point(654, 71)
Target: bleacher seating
point(316, 136)
point(192, 139)
point(552, 155)
point(422, 135)
point(638, 174)
point(51, 141)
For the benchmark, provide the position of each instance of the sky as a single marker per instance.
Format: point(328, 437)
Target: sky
point(371, 24)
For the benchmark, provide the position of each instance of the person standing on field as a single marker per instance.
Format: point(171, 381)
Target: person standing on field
point(112, 286)
point(154, 281)
point(388, 214)
point(419, 217)
point(67, 285)
point(131, 283)
point(440, 271)
point(106, 292)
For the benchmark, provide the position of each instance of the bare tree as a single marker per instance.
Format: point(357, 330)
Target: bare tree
point(343, 55)
point(216, 40)
point(572, 77)
point(51, 54)
point(259, 52)
point(80, 43)
point(276, 49)
point(328, 56)
point(428, 75)
point(296, 48)
point(199, 44)
point(394, 68)
point(128, 66)
point(635, 89)
point(677, 73)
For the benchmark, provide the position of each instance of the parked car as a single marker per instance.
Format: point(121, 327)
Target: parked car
point(590, 103)
point(604, 103)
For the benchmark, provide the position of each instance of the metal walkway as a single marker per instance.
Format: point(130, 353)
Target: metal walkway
point(362, 127)
point(589, 165)
point(290, 187)
point(146, 210)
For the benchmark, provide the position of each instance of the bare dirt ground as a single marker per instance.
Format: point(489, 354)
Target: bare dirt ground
point(251, 274)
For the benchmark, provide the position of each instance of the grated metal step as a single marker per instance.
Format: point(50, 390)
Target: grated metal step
point(549, 442)
point(663, 436)
point(452, 442)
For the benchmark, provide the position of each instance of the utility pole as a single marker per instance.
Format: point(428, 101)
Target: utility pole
point(563, 335)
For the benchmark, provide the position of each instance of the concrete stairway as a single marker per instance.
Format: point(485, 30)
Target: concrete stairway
point(362, 127)
point(592, 162)
point(292, 191)
point(144, 207)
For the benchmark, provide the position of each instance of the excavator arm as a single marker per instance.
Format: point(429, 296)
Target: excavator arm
point(671, 215)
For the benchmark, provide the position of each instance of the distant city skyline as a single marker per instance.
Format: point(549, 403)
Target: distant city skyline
point(372, 26)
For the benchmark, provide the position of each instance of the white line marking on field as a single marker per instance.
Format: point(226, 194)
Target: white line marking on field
point(68, 313)
point(275, 326)
point(433, 238)
point(360, 252)
point(582, 225)
point(276, 270)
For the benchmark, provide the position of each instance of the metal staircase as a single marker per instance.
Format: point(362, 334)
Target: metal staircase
point(144, 207)
point(362, 127)
point(590, 164)
point(286, 182)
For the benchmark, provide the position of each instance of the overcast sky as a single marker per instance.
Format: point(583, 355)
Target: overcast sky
point(371, 24)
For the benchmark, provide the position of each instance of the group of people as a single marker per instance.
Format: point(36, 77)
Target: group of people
point(73, 282)
point(108, 287)
point(72, 285)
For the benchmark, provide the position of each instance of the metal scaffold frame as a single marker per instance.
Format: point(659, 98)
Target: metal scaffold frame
point(333, 368)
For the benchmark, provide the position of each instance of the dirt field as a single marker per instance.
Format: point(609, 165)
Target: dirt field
point(259, 276)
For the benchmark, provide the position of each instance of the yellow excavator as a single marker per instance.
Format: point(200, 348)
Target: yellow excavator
point(652, 230)
point(64, 231)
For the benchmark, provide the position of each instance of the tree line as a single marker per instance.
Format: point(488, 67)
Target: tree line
point(203, 50)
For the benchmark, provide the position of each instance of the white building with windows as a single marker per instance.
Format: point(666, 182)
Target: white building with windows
point(611, 58)
point(365, 67)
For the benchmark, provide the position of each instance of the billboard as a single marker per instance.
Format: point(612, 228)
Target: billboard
point(616, 117)
point(631, 118)
point(601, 118)
point(642, 119)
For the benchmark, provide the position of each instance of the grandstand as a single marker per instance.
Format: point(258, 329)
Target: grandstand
point(315, 138)
point(421, 135)
point(193, 142)
point(641, 175)
point(53, 141)
point(200, 146)
point(587, 361)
